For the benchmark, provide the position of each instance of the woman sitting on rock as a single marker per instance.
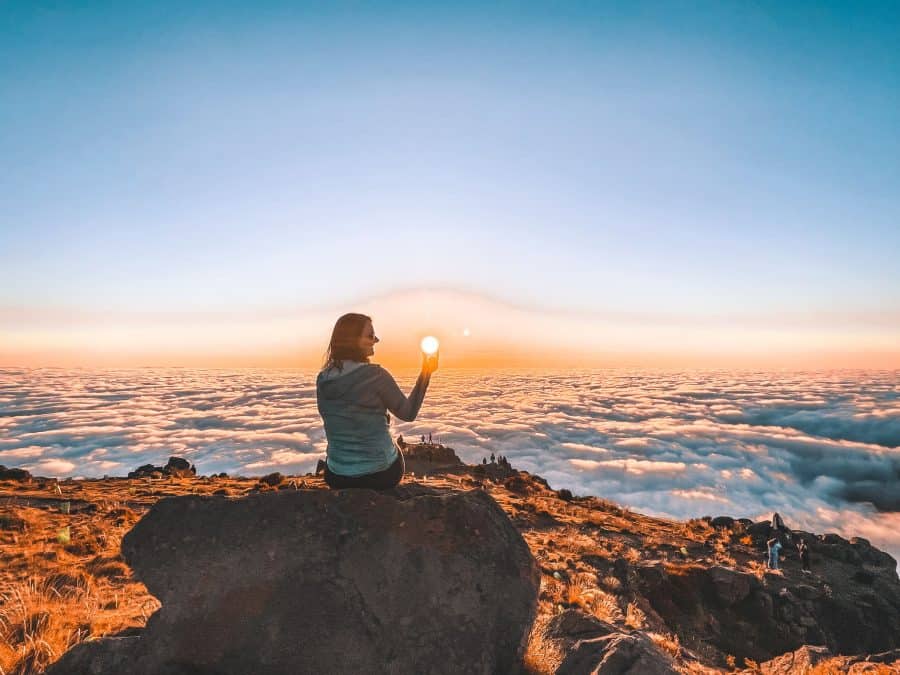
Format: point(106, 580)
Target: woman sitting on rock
point(354, 397)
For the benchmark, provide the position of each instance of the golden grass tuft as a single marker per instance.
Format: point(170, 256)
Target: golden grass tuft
point(635, 617)
point(112, 569)
point(611, 583)
point(542, 655)
point(66, 583)
point(668, 642)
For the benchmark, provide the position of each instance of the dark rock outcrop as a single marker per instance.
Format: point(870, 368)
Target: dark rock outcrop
point(272, 479)
point(617, 654)
point(176, 466)
point(798, 661)
point(326, 582)
point(14, 474)
point(430, 455)
point(748, 617)
point(573, 625)
point(721, 521)
point(808, 659)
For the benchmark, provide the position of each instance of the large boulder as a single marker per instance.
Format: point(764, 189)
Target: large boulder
point(312, 581)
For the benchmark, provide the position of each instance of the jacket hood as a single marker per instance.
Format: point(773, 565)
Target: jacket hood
point(333, 382)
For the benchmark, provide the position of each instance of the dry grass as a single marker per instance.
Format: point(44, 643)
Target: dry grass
point(54, 594)
point(542, 656)
point(30, 628)
point(611, 583)
point(830, 668)
point(836, 667)
point(632, 555)
point(635, 617)
point(757, 568)
point(668, 642)
point(58, 591)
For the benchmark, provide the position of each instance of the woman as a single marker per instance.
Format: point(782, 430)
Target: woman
point(354, 397)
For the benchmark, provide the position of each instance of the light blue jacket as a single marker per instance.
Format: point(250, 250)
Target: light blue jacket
point(354, 404)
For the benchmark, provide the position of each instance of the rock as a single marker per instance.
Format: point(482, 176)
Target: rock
point(617, 654)
point(884, 657)
point(519, 484)
point(833, 539)
point(272, 479)
point(176, 466)
point(430, 456)
point(342, 581)
point(565, 495)
point(573, 625)
point(807, 592)
point(871, 555)
point(99, 657)
point(14, 474)
point(730, 586)
point(798, 662)
point(760, 530)
point(142, 471)
point(722, 522)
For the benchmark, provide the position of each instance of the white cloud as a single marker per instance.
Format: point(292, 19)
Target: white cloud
point(806, 445)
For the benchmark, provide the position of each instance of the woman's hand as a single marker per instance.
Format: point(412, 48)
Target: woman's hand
point(429, 363)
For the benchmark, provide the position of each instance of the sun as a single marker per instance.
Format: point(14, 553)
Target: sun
point(430, 344)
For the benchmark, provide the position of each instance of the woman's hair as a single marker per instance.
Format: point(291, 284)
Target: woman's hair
point(345, 341)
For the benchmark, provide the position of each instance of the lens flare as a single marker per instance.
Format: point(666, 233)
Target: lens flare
point(429, 344)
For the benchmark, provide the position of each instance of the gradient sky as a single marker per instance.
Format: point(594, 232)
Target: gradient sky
point(624, 165)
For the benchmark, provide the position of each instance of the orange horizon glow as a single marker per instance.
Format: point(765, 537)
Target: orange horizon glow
point(474, 333)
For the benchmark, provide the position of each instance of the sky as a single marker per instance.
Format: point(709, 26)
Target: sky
point(566, 183)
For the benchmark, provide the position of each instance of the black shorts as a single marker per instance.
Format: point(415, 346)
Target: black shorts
point(382, 480)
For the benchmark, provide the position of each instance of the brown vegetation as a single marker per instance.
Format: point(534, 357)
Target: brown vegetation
point(63, 580)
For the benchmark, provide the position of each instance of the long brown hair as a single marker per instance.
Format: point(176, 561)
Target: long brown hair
point(345, 341)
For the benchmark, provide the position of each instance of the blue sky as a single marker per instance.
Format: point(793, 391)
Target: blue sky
point(698, 159)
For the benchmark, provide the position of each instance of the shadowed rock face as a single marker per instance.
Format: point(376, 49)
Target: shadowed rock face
point(326, 582)
point(617, 654)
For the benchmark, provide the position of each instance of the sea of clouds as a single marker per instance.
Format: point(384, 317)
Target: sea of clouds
point(823, 449)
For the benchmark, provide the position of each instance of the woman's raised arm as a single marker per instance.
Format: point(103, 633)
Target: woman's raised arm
point(403, 407)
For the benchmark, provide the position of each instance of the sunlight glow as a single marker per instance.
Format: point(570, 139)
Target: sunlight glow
point(429, 344)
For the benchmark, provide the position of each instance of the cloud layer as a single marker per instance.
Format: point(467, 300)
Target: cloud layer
point(822, 449)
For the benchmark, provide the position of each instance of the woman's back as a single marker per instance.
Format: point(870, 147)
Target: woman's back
point(354, 404)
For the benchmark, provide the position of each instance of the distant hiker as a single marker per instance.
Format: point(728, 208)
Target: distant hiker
point(803, 550)
point(353, 398)
point(429, 439)
point(423, 438)
point(774, 546)
point(484, 460)
point(492, 458)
